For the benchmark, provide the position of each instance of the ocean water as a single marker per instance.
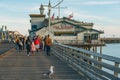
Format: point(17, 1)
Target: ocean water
point(112, 50)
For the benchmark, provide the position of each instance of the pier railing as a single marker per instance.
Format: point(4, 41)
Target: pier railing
point(84, 61)
point(81, 42)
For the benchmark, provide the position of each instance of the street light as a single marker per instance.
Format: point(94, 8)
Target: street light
point(2, 32)
point(49, 12)
point(41, 9)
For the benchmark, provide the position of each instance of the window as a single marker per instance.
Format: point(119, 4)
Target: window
point(34, 27)
point(94, 36)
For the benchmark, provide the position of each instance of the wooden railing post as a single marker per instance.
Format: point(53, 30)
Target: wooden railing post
point(79, 58)
point(116, 65)
point(99, 58)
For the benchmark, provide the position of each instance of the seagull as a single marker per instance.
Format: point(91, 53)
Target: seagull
point(50, 72)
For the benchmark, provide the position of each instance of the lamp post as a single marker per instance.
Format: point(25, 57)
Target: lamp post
point(5, 32)
point(49, 12)
point(2, 32)
point(41, 9)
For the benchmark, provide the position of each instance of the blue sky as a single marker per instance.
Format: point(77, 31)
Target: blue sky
point(105, 14)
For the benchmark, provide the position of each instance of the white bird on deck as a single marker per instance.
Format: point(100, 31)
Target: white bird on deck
point(50, 72)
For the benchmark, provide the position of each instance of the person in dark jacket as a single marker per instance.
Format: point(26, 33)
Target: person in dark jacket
point(44, 43)
point(28, 45)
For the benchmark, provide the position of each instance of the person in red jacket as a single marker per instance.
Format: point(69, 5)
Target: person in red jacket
point(37, 42)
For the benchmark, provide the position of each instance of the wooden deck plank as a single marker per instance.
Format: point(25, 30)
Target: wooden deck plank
point(19, 66)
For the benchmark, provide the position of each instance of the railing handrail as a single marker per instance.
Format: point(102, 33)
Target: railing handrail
point(73, 56)
point(69, 42)
point(103, 56)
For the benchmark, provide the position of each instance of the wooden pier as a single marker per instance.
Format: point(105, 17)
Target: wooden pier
point(110, 40)
point(18, 66)
point(70, 63)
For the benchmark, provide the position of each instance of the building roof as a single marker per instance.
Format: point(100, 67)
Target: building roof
point(78, 22)
point(99, 31)
point(75, 23)
point(36, 15)
point(68, 23)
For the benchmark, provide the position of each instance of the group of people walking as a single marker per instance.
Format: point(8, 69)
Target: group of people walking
point(33, 45)
point(19, 43)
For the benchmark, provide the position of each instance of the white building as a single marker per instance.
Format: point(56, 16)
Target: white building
point(64, 29)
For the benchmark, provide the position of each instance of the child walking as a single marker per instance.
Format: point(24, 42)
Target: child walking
point(33, 48)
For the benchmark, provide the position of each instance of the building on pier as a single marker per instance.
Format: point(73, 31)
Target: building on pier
point(65, 30)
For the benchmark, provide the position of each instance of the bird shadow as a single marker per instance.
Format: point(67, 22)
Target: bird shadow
point(52, 77)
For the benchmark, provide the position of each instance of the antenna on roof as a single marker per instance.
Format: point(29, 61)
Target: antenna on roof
point(57, 6)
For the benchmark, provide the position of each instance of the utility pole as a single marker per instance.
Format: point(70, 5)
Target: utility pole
point(49, 13)
point(59, 10)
